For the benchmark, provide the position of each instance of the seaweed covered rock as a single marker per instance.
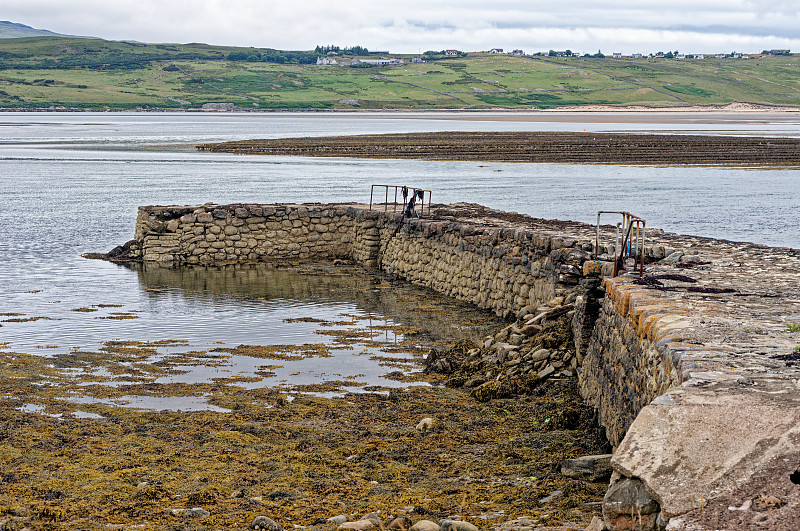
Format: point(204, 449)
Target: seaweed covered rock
point(265, 524)
point(448, 361)
point(128, 252)
point(516, 359)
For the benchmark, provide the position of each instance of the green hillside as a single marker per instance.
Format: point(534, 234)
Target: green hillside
point(41, 72)
point(14, 30)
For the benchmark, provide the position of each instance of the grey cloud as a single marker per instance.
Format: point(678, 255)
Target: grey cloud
point(426, 26)
point(782, 7)
point(415, 24)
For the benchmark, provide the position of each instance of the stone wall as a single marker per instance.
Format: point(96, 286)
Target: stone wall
point(504, 270)
point(214, 234)
point(628, 360)
point(691, 383)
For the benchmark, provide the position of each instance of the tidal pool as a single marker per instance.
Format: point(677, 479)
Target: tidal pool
point(315, 329)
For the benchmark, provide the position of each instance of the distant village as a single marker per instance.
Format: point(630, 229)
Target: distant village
point(333, 57)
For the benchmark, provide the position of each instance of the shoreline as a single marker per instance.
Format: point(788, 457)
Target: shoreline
point(727, 108)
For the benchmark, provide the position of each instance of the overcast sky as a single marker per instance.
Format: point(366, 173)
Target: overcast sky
point(690, 26)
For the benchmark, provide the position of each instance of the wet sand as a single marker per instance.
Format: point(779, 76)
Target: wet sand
point(610, 116)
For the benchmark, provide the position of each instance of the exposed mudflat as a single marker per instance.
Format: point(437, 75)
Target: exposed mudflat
point(298, 463)
point(551, 147)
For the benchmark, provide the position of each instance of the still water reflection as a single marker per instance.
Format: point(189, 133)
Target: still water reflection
point(251, 326)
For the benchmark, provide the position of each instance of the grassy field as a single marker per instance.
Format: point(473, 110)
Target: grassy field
point(92, 73)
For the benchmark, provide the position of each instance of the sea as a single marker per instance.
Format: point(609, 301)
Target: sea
point(71, 183)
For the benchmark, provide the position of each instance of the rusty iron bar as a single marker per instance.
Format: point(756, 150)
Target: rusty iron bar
point(623, 243)
point(395, 203)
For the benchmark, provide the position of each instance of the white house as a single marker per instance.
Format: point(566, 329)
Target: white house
point(326, 61)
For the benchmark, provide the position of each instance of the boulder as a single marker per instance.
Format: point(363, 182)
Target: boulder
point(425, 525)
point(265, 524)
point(359, 525)
point(457, 525)
point(400, 524)
point(197, 511)
point(628, 506)
point(589, 467)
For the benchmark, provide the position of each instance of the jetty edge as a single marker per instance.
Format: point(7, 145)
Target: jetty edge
point(692, 369)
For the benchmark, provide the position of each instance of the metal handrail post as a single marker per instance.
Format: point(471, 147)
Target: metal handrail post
point(627, 242)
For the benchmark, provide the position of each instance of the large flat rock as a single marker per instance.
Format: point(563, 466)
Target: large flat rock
point(711, 436)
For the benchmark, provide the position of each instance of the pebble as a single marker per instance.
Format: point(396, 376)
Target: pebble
point(425, 424)
point(673, 258)
point(547, 371)
point(745, 506)
point(539, 355)
point(552, 497)
point(266, 524)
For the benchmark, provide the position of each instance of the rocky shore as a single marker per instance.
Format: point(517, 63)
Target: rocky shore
point(433, 458)
point(690, 368)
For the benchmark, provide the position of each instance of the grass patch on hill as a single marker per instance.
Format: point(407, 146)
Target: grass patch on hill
point(92, 73)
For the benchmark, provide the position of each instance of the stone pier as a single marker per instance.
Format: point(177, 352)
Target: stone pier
point(694, 370)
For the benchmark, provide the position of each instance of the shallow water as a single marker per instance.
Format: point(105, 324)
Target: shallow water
point(185, 326)
point(71, 184)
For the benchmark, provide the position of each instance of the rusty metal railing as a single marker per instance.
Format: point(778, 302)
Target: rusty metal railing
point(411, 192)
point(627, 241)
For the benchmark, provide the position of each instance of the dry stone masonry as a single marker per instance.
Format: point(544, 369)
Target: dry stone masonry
point(692, 369)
